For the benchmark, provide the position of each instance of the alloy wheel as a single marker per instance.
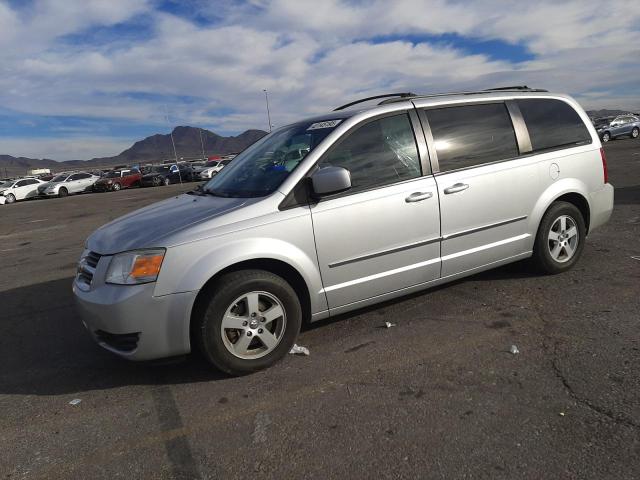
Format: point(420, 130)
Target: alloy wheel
point(253, 325)
point(563, 239)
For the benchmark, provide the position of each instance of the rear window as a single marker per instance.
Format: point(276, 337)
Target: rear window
point(553, 124)
point(471, 135)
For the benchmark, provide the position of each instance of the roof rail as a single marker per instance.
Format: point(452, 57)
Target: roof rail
point(517, 87)
point(474, 92)
point(401, 95)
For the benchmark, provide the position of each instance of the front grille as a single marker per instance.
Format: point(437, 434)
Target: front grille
point(87, 268)
point(92, 259)
point(124, 342)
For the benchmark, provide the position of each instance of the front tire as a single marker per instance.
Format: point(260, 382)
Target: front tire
point(560, 238)
point(606, 136)
point(63, 192)
point(10, 198)
point(116, 187)
point(635, 132)
point(248, 320)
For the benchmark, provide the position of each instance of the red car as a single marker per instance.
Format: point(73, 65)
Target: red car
point(118, 179)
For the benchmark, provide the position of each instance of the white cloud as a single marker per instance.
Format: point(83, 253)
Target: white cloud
point(310, 55)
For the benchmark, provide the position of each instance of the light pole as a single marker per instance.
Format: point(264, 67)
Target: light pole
point(201, 143)
point(266, 98)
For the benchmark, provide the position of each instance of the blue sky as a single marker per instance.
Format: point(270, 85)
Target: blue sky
point(87, 78)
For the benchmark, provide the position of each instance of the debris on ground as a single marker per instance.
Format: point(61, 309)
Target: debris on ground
point(514, 350)
point(299, 350)
point(75, 401)
point(389, 324)
point(562, 414)
point(636, 258)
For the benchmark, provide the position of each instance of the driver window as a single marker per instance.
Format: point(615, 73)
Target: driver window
point(378, 153)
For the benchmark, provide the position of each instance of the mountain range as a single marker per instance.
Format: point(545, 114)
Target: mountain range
point(155, 148)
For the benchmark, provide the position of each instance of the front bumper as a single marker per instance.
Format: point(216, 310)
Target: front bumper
point(601, 203)
point(130, 322)
point(102, 187)
point(48, 193)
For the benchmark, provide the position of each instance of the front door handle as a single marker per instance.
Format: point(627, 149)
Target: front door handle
point(458, 187)
point(418, 196)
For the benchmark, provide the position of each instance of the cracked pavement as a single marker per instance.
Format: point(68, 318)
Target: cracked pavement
point(436, 396)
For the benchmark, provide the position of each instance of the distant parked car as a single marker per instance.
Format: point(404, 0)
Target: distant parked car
point(609, 128)
point(68, 183)
point(212, 168)
point(118, 179)
point(19, 189)
point(166, 175)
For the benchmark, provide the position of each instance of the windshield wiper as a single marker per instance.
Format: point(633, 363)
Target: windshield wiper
point(215, 194)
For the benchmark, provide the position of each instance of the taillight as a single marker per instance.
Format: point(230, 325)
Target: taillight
point(604, 165)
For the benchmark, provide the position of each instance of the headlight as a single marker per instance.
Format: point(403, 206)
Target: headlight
point(131, 268)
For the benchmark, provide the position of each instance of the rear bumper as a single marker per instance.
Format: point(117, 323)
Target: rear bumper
point(601, 203)
point(129, 321)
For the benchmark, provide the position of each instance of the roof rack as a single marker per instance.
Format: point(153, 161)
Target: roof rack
point(522, 88)
point(517, 87)
point(397, 97)
point(375, 97)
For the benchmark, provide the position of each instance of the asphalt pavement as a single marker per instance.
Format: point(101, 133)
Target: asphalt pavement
point(439, 395)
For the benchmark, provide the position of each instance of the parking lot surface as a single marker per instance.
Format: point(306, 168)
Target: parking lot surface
point(439, 395)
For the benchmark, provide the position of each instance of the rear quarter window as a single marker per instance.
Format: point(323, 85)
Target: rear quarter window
point(553, 124)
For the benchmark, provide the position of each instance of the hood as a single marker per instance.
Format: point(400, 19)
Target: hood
point(152, 225)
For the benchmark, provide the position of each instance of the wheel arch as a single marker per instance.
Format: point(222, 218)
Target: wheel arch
point(572, 191)
point(278, 267)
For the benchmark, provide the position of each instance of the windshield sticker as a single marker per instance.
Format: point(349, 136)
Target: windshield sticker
point(327, 124)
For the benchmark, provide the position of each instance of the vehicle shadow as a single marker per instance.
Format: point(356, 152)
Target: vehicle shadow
point(45, 349)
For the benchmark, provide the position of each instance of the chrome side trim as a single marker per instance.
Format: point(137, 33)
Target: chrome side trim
point(485, 247)
point(484, 227)
point(346, 261)
point(381, 275)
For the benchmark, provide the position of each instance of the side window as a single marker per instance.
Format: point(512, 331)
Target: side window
point(471, 135)
point(75, 176)
point(21, 183)
point(378, 153)
point(32, 182)
point(553, 124)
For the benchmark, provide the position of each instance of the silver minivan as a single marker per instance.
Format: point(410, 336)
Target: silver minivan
point(341, 211)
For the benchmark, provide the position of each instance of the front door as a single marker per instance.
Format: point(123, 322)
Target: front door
point(383, 234)
point(486, 192)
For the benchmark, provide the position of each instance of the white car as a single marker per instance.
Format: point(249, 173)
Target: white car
point(212, 167)
point(19, 189)
point(68, 183)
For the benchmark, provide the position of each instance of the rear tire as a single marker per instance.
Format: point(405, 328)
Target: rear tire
point(635, 132)
point(116, 187)
point(263, 336)
point(63, 192)
point(606, 136)
point(167, 181)
point(10, 198)
point(560, 239)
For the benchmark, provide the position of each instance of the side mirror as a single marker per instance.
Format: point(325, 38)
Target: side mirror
point(331, 180)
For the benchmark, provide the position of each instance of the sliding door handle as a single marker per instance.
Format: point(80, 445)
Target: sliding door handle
point(458, 187)
point(418, 196)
